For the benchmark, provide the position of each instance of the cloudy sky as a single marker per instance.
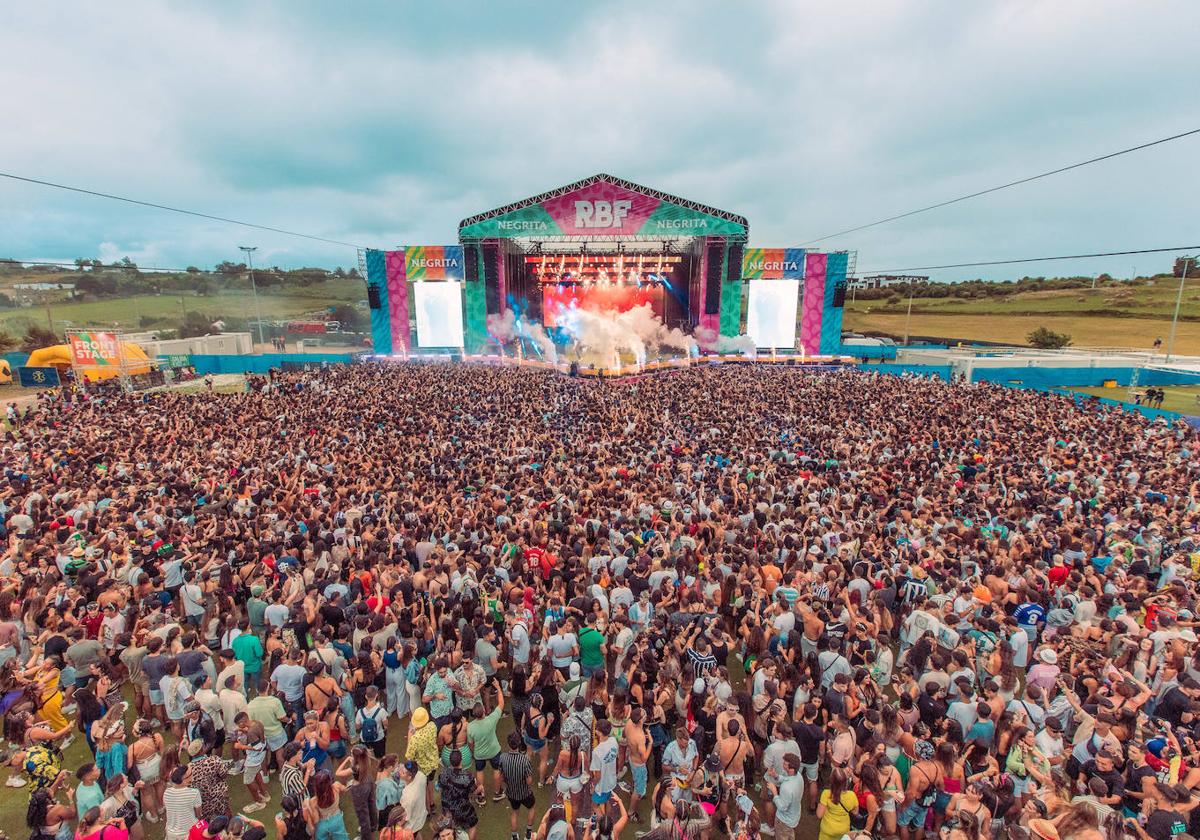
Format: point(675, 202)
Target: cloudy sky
point(386, 123)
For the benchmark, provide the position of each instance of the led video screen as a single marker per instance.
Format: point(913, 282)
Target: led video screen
point(439, 313)
point(620, 298)
point(771, 312)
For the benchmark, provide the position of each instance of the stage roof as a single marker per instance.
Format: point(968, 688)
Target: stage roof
point(603, 207)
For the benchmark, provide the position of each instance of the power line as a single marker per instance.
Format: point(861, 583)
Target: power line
point(1005, 186)
point(87, 269)
point(1029, 260)
point(176, 210)
point(101, 268)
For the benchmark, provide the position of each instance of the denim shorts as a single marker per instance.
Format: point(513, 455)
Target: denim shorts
point(534, 744)
point(640, 776)
point(276, 742)
point(913, 816)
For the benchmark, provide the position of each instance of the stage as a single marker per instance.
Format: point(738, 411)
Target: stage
point(603, 271)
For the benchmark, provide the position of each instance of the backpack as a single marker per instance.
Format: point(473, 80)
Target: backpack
point(368, 729)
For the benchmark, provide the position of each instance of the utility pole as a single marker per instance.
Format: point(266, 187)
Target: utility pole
point(250, 249)
point(912, 288)
point(1178, 303)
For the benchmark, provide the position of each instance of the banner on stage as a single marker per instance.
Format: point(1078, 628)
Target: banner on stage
point(433, 262)
point(603, 208)
point(773, 264)
point(95, 349)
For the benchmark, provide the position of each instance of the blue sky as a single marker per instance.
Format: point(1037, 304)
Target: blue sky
point(387, 123)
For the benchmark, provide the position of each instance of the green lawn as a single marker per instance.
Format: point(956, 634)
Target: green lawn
point(1181, 398)
point(149, 311)
point(1145, 301)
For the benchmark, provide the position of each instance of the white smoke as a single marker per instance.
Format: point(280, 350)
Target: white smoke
point(507, 326)
point(711, 341)
point(605, 334)
point(502, 327)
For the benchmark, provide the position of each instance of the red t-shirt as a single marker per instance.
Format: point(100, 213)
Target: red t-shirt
point(1057, 575)
point(378, 603)
point(91, 624)
point(542, 560)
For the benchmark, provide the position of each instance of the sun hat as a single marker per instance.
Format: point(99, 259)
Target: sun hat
point(420, 717)
point(1048, 656)
point(1043, 829)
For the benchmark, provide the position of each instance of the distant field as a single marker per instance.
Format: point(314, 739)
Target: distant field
point(1180, 398)
point(1110, 316)
point(149, 311)
point(1090, 331)
point(1145, 301)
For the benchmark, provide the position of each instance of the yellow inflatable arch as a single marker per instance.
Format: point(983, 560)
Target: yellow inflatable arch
point(59, 356)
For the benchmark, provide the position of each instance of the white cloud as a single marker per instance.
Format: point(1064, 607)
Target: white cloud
point(387, 126)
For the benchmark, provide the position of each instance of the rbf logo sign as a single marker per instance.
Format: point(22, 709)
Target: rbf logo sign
point(601, 214)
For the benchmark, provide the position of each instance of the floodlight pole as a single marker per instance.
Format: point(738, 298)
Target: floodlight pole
point(250, 249)
point(1178, 303)
point(912, 290)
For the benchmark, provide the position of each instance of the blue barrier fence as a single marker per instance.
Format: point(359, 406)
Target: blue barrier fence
point(939, 371)
point(16, 359)
point(1079, 377)
point(869, 352)
point(261, 364)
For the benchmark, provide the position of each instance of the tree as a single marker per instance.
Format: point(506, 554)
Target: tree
point(7, 342)
point(1046, 339)
point(96, 284)
point(349, 317)
point(191, 269)
point(196, 324)
point(38, 337)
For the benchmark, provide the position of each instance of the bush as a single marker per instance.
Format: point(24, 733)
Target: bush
point(349, 317)
point(38, 337)
point(197, 324)
point(1046, 339)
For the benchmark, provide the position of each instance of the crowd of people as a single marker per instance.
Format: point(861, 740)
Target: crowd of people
point(453, 601)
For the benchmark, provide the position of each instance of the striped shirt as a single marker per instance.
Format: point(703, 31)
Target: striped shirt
point(181, 803)
point(517, 771)
point(291, 779)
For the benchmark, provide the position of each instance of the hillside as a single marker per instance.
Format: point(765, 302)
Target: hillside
point(1115, 314)
point(172, 303)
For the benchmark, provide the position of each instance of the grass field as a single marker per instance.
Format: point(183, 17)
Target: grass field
point(1085, 331)
point(234, 305)
point(1181, 398)
point(1113, 315)
point(1109, 316)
